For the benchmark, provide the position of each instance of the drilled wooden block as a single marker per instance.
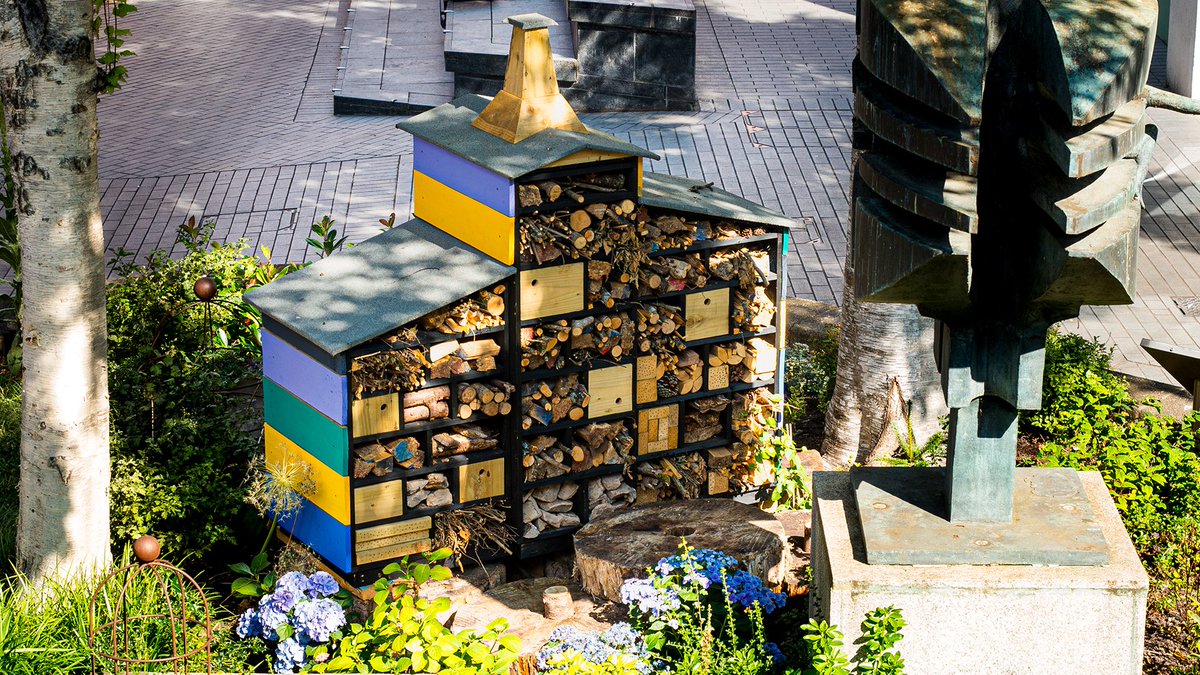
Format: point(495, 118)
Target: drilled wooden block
point(393, 552)
point(375, 415)
point(718, 377)
point(481, 480)
point(706, 314)
point(647, 391)
point(658, 429)
point(611, 391)
point(647, 367)
point(551, 290)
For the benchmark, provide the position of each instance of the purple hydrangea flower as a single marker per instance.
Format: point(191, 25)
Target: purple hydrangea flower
point(295, 582)
point(289, 655)
point(321, 585)
point(282, 600)
point(774, 652)
point(269, 619)
point(642, 596)
point(318, 619)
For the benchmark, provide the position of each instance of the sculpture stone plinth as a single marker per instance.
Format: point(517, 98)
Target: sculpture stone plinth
point(963, 618)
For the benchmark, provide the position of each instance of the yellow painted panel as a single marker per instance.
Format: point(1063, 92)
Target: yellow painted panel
point(331, 493)
point(587, 157)
point(465, 219)
point(639, 171)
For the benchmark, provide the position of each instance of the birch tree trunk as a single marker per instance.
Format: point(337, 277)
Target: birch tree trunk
point(879, 344)
point(49, 88)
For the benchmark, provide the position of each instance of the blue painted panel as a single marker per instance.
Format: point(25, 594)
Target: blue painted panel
point(465, 177)
point(307, 380)
point(319, 531)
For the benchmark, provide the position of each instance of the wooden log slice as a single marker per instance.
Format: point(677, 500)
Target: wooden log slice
point(621, 544)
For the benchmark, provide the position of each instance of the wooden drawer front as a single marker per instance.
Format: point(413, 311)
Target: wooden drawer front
point(658, 429)
point(611, 390)
point(379, 501)
point(706, 314)
point(393, 540)
point(481, 480)
point(375, 415)
point(551, 290)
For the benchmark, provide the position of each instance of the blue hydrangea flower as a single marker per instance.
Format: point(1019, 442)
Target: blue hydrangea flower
point(644, 597)
point(295, 582)
point(774, 652)
point(282, 600)
point(321, 585)
point(745, 589)
point(702, 567)
point(289, 655)
point(318, 619)
point(596, 648)
point(248, 625)
point(269, 619)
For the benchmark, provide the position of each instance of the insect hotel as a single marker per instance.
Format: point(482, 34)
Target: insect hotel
point(556, 331)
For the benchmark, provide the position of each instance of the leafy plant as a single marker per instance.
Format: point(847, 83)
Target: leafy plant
point(792, 490)
point(403, 633)
point(110, 73)
point(876, 655)
point(913, 453)
point(1175, 572)
point(809, 373)
point(325, 240)
point(253, 580)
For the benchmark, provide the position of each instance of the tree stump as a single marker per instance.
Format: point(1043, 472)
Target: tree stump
point(622, 544)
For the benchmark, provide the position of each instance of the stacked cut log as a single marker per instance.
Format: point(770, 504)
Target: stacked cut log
point(671, 274)
point(753, 310)
point(380, 459)
point(585, 448)
point(542, 345)
point(609, 492)
point(575, 188)
point(758, 363)
point(608, 335)
point(688, 372)
point(456, 357)
point(463, 439)
point(478, 311)
point(490, 399)
point(549, 236)
point(428, 492)
point(547, 402)
point(749, 266)
point(427, 404)
point(392, 370)
point(604, 288)
point(728, 230)
point(703, 420)
point(753, 416)
point(680, 477)
point(669, 231)
point(658, 332)
point(720, 469)
point(549, 507)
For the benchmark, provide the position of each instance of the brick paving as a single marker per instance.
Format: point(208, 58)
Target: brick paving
point(228, 116)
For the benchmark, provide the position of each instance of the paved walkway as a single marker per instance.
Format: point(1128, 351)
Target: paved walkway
point(228, 116)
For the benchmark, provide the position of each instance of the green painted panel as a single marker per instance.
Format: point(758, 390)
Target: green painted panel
point(316, 433)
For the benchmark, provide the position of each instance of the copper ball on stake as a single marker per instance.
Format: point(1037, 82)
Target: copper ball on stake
point(146, 549)
point(205, 288)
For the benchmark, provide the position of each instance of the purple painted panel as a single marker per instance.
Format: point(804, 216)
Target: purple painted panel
point(465, 177)
point(306, 379)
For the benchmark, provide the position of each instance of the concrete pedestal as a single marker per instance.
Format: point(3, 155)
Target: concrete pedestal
point(991, 619)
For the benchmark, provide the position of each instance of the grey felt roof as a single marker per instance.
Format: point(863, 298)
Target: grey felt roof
point(672, 192)
point(378, 285)
point(1183, 364)
point(448, 126)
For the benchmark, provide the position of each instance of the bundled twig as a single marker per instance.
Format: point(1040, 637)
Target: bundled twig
point(470, 531)
point(746, 265)
point(678, 478)
point(393, 370)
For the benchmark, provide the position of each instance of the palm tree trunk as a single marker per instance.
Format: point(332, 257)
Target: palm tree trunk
point(50, 94)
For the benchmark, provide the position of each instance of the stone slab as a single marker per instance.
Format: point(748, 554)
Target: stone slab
point(903, 521)
point(1000, 619)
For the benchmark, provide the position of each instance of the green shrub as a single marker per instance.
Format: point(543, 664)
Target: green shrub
point(1175, 579)
point(809, 373)
point(184, 429)
point(404, 635)
point(1090, 421)
point(876, 654)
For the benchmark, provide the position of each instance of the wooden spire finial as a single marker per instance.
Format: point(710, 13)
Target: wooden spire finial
point(530, 101)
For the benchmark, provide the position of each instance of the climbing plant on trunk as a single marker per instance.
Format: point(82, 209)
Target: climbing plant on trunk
point(49, 85)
